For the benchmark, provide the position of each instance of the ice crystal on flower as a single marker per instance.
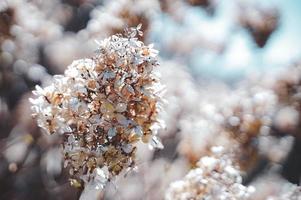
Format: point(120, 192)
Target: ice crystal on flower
point(103, 106)
point(215, 178)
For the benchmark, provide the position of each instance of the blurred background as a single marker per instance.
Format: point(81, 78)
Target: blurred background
point(232, 74)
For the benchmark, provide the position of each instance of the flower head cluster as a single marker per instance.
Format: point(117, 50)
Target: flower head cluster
point(103, 106)
point(113, 16)
point(260, 21)
point(289, 192)
point(215, 178)
point(6, 21)
point(287, 88)
point(246, 117)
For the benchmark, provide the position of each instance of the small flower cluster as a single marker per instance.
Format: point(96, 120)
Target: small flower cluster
point(6, 21)
point(103, 106)
point(289, 192)
point(246, 117)
point(215, 178)
point(260, 21)
point(114, 16)
point(287, 88)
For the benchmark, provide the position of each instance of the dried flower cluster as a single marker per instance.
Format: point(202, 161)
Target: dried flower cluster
point(215, 178)
point(6, 21)
point(103, 106)
point(289, 192)
point(246, 118)
point(260, 22)
point(114, 16)
point(287, 89)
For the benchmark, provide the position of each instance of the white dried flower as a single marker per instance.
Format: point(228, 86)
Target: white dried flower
point(215, 178)
point(103, 106)
point(288, 192)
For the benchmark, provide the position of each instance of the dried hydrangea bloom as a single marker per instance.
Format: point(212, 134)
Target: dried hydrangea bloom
point(286, 86)
point(215, 178)
point(247, 117)
point(103, 106)
point(260, 21)
point(288, 192)
point(6, 21)
point(113, 16)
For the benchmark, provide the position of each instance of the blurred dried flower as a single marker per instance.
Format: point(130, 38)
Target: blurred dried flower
point(203, 3)
point(6, 21)
point(246, 117)
point(260, 22)
point(215, 178)
point(208, 5)
point(288, 192)
point(117, 15)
